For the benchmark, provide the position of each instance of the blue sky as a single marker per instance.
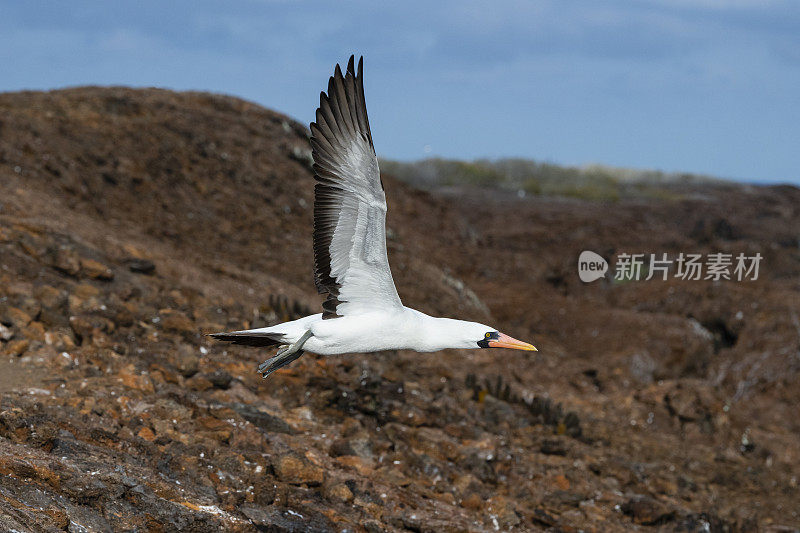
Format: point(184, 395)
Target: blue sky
point(708, 86)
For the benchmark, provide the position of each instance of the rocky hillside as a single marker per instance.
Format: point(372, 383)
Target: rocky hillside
point(134, 221)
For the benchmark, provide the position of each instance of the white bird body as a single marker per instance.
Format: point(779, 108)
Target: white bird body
point(362, 312)
point(396, 329)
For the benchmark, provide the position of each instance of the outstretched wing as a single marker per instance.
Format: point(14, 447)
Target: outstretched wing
point(350, 259)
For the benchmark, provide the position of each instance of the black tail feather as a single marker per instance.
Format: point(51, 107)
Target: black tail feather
point(250, 338)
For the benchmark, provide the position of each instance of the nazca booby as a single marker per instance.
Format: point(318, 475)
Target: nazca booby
point(362, 312)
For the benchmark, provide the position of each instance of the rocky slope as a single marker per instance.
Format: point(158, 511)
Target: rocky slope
point(134, 221)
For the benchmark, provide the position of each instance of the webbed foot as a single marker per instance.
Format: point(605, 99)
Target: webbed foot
point(285, 355)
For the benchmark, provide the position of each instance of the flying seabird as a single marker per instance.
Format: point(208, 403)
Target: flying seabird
point(362, 311)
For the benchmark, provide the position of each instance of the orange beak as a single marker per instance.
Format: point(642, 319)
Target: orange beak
point(504, 341)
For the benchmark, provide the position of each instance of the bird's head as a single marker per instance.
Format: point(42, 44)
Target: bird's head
point(491, 338)
point(495, 339)
point(464, 334)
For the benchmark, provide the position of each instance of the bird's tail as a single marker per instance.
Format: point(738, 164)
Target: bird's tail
point(251, 338)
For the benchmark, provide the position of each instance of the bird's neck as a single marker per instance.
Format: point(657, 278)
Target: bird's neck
point(437, 333)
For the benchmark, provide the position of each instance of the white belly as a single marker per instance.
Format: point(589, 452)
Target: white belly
point(371, 332)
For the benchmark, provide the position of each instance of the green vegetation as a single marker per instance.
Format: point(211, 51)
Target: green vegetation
point(594, 182)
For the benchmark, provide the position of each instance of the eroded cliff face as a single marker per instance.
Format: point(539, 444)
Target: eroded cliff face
point(134, 221)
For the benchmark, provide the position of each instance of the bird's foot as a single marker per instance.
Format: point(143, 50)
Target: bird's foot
point(284, 350)
point(283, 358)
point(285, 355)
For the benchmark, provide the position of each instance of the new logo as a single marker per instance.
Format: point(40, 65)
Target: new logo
point(591, 266)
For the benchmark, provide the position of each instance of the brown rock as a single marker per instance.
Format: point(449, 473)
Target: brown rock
point(199, 383)
point(246, 437)
point(393, 476)
point(409, 416)
point(134, 380)
point(33, 331)
point(123, 317)
point(85, 298)
point(262, 419)
point(67, 360)
point(17, 348)
point(689, 402)
point(275, 518)
point(356, 463)
point(16, 317)
point(85, 291)
point(351, 426)
point(57, 517)
point(447, 497)
point(49, 296)
point(176, 321)
point(339, 492)
point(466, 484)
point(61, 340)
point(353, 446)
point(81, 326)
point(555, 446)
point(186, 360)
point(66, 260)
point(178, 298)
point(25, 469)
point(166, 373)
point(472, 501)
point(53, 316)
point(561, 482)
point(141, 266)
point(30, 305)
point(96, 270)
point(86, 326)
point(503, 509)
point(147, 434)
point(219, 429)
point(220, 379)
point(647, 511)
point(133, 251)
point(295, 470)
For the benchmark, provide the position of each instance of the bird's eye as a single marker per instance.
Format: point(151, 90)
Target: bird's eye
point(488, 335)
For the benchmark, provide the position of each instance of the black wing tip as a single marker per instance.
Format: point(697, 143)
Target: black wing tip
point(351, 67)
point(329, 98)
point(350, 70)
